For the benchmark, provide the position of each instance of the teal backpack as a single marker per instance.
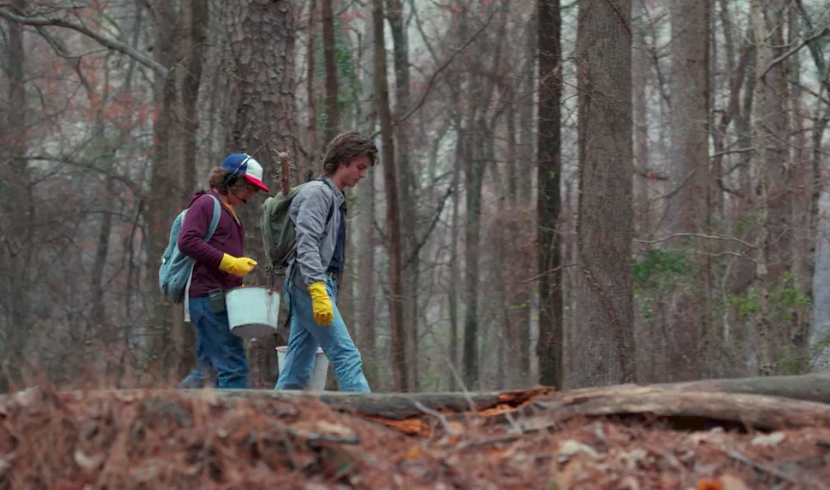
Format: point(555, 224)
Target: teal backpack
point(278, 235)
point(176, 267)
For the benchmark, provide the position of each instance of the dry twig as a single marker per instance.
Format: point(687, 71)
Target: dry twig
point(760, 467)
point(438, 415)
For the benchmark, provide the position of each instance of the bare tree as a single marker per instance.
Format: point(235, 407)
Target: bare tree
point(329, 50)
point(262, 44)
point(393, 223)
point(551, 331)
point(17, 231)
point(603, 330)
point(688, 207)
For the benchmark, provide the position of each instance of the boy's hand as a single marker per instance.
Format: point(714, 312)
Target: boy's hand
point(321, 304)
point(237, 266)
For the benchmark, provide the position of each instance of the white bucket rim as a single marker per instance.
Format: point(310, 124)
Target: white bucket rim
point(284, 349)
point(252, 286)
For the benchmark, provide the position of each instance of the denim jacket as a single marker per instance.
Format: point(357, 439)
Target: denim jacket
point(315, 241)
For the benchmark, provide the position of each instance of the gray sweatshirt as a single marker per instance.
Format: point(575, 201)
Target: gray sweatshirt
point(316, 241)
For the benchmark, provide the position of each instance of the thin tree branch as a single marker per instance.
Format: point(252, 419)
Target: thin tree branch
point(794, 50)
point(425, 237)
point(697, 235)
point(555, 269)
point(105, 41)
point(676, 189)
point(650, 174)
point(431, 82)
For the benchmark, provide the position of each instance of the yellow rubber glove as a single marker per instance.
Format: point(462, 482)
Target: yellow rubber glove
point(321, 304)
point(237, 266)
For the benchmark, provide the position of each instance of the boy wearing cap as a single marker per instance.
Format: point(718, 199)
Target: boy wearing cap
point(319, 215)
point(220, 266)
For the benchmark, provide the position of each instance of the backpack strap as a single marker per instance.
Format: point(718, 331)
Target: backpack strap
point(214, 222)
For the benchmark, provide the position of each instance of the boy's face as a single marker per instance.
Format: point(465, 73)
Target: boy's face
point(240, 193)
point(354, 171)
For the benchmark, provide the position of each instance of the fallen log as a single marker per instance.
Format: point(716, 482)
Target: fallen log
point(400, 406)
point(392, 406)
point(808, 387)
point(713, 408)
point(406, 411)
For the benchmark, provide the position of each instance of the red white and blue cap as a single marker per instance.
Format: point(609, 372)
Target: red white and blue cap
point(245, 165)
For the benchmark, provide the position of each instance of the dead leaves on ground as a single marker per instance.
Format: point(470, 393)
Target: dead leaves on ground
point(72, 441)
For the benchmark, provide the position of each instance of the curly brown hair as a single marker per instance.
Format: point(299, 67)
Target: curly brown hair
point(216, 180)
point(345, 147)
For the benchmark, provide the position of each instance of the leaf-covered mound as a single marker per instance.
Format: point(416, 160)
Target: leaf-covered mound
point(134, 439)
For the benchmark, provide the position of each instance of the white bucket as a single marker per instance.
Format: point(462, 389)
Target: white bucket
point(318, 374)
point(253, 311)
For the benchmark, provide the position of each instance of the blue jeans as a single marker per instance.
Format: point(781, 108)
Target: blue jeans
point(305, 337)
point(217, 349)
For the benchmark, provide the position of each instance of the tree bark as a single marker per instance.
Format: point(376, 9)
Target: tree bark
point(766, 347)
point(17, 231)
point(196, 17)
point(393, 246)
point(329, 52)
point(311, 127)
point(642, 218)
point(406, 180)
point(603, 333)
point(550, 348)
point(262, 45)
point(527, 156)
point(165, 188)
point(367, 259)
point(473, 176)
point(688, 208)
point(477, 155)
point(367, 336)
point(455, 280)
point(820, 335)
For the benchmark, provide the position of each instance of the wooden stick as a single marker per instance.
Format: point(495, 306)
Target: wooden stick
point(761, 467)
point(285, 172)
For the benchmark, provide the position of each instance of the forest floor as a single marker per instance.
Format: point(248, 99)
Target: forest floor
point(133, 439)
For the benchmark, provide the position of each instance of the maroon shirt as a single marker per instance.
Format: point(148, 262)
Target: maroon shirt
point(227, 239)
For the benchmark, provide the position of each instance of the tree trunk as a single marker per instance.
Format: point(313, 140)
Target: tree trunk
point(817, 265)
point(551, 330)
point(779, 170)
point(603, 334)
point(455, 280)
point(642, 221)
point(17, 231)
point(406, 180)
point(367, 260)
point(196, 17)
point(688, 210)
point(366, 337)
point(329, 48)
point(311, 127)
point(165, 189)
point(473, 176)
point(766, 346)
point(477, 155)
point(262, 45)
point(398, 352)
point(527, 139)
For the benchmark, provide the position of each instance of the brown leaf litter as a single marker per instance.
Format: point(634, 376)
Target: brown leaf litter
point(130, 440)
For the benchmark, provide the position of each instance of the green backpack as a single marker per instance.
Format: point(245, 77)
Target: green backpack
point(278, 235)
